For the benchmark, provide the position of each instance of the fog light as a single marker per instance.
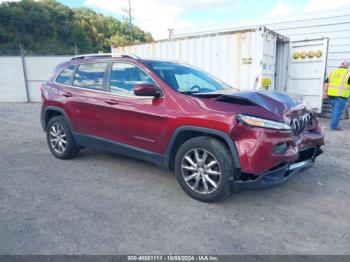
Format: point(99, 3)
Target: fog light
point(280, 148)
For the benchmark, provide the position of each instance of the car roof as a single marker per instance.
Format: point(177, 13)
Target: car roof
point(114, 56)
point(80, 59)
point(104, 55)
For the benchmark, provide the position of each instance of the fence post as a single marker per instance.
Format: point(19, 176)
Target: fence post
point(24, 72)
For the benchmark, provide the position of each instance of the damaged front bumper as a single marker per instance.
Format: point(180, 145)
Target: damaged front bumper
point(279, 175)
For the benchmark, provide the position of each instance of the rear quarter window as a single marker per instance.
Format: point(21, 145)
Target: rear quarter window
point(65, 76)
point(90, 76)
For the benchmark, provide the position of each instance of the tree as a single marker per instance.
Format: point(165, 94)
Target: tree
point(118, 40)
point(47, 26)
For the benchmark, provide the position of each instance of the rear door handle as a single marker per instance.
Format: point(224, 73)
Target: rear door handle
point(67, 94)
point(112, 102)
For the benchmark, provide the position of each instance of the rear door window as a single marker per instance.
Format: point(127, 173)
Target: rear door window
point(64, 78)
point(90, 76)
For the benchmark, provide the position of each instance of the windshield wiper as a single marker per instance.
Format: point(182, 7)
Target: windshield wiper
point(189, 92)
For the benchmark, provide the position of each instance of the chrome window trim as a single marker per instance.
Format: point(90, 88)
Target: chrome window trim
point(106, 92)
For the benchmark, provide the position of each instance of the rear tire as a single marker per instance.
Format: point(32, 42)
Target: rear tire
point(203, 168)
point(60, 139)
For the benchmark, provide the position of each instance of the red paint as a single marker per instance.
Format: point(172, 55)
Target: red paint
point(149, 123)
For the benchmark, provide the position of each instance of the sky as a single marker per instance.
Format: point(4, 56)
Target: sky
point(157, 16)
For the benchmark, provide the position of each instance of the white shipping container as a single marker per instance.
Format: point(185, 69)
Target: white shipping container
point(248, 59)
point(244, 59)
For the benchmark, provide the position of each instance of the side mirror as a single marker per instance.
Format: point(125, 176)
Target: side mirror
point(147, 90)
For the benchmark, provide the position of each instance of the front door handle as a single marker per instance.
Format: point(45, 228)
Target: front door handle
point(112, 102)
point(67, 94)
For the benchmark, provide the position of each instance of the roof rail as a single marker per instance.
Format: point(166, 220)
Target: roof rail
point(126, 55)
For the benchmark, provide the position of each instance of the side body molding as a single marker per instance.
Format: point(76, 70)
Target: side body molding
point(113, 146)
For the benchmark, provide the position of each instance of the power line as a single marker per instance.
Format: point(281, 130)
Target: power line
point(128, 12)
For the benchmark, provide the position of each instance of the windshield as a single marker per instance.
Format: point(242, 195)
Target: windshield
point(186, 79)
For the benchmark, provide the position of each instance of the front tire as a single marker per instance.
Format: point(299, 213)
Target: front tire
point(60, 139)
point(203, 168)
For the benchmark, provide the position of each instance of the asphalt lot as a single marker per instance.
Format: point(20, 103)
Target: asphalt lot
point(100, 203)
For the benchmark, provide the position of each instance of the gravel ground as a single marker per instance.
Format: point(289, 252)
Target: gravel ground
point(101, 203)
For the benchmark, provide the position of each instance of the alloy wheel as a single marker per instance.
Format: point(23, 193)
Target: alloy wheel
point(58, 138)
point(201, 171)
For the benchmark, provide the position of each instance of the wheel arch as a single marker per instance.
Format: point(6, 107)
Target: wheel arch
point(52, 111)
point(184, 133)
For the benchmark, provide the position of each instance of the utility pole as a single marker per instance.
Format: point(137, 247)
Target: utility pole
point(128, 12)
point(171, 31)
point(75, 48)
point(130, 18)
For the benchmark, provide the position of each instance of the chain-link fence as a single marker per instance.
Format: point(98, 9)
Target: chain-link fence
point(23, 71)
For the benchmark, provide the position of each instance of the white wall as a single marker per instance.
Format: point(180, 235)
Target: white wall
point(12, 83)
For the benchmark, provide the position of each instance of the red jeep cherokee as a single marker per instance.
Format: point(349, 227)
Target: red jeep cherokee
point(178, 117)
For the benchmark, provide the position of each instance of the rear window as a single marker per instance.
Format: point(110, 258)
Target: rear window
point(90, 76)
point(64, 77)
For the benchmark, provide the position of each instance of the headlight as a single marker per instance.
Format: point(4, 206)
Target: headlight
point(261, 122)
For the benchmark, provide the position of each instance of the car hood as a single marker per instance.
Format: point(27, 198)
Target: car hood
point(280, 105)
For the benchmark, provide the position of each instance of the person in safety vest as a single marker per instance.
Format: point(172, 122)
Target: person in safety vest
point(338, 91)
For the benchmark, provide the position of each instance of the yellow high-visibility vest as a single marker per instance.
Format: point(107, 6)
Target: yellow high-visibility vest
point(338, 83)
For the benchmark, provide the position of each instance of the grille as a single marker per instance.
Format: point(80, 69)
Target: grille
point(301, 123)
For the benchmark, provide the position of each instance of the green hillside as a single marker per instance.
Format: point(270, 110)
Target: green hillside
point(48, 27)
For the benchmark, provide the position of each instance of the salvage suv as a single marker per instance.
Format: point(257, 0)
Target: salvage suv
point(216, 139)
